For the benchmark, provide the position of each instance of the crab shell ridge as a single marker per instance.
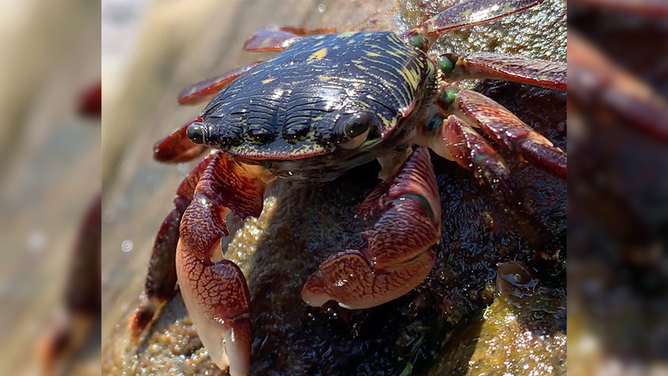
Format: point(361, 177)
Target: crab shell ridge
point(292, 106)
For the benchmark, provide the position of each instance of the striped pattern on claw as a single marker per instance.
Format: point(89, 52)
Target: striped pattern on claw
point(398, 257)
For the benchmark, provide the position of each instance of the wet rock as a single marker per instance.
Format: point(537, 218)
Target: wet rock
point(523, 332)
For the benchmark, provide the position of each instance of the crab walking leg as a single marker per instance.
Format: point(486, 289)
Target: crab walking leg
point(543, 73)
point(276, 39)
point(176, 147)
point(215, 293)
point(68, 333)
point(398, 257)
point(506, 129)
point(597, 82)
point(205, 90)
point(470, 13)
point(160, 283)
point(647, 8)
point(455, 140)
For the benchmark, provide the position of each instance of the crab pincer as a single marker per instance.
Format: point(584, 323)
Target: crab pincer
point(215, 292)
point(160, 284)
point(399, 255)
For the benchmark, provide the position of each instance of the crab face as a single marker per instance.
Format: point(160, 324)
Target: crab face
point(324, 105)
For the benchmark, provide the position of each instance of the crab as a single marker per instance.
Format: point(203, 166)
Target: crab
point(326, 103)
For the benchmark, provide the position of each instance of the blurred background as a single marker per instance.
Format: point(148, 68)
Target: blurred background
point(55, 158)
point(618, 187)
point(50, 167)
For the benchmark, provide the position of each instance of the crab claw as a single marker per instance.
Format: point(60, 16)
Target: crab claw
point(160, 284)
point(215, 292)
point(398, 257)
point(217, 300)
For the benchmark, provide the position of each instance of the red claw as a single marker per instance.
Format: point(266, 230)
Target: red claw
point(398, 257)
point(215, 293)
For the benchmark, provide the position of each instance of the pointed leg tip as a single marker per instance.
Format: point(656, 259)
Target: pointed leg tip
point(142, 318)
point(495, 174)
point(546, 157)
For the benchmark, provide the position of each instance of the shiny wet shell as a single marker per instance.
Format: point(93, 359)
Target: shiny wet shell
point(295, 104)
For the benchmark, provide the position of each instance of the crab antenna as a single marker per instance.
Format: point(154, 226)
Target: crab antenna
point(467, 13)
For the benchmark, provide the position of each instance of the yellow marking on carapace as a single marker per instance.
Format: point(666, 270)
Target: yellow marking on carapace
point(392, 53)
point(411, 76)
point(385, 121)
point(372, 54)
point(318, 55)
point(324, 78)
point(268, 80)
point(347, 34)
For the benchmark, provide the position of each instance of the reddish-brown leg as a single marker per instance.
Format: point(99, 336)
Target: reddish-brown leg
point(276, 39)
point(215, 292)
point(176, 147)
point(505, 128)
point(204, 90)
point(399, 255)
point(455, 140)
point(647, 8)
point(160, 283)
point(597, 83)
point(543, 73)
point(271, 39)
point(470, 13)
point(90, 101)
point(82, 297)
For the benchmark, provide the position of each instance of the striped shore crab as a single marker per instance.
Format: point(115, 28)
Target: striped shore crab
point(326, 103)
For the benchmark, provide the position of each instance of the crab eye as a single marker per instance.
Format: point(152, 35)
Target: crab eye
point(355, 130)
point(196, 133)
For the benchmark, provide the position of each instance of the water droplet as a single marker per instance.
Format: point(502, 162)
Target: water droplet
point(127, 245)
point(322, 8)
point(35, 241)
